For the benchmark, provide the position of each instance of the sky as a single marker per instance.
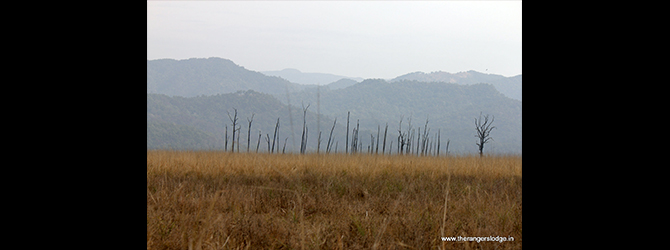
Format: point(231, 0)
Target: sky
point(368, 39)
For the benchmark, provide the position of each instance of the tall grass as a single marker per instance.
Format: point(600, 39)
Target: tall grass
point(219, 200)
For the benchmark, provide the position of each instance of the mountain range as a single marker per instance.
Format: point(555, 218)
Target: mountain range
point(296, 76)
point(508, 86)
point(210, 76)
point(188, 102)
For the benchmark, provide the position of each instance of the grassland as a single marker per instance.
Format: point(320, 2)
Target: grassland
point(218, 200)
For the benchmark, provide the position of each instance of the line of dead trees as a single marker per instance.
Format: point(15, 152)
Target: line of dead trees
point(424, 145)
point(409, 141)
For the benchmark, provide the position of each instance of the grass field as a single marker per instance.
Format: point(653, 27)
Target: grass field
point(219, 200)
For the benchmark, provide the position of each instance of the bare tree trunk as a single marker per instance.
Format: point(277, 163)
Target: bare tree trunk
point(346, 144)
point(438, 142)
point(424, 141)
point(354, 143)
point(377, 148)
point(372, 143)
point(259, 140)
point(418, 137)
point(384, 146)
point(304, 150)
point(274, 137)
point(249, 131)
point(356, 139)
point(318, 117)
point(401, 141)
point(410, 136)
point(234, 120)
point(328, 145)
point(318, 144)
point(447, 149)
point(226, 141)
point(303, 142)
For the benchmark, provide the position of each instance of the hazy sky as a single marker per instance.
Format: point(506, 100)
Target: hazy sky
point(369, 39)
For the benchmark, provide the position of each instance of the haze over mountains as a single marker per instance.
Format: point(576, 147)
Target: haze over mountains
point(296, 76)
point(508, 86)
point(188, 102)
point(199, 76)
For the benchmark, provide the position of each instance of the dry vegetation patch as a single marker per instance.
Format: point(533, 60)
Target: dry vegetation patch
point(219, 200)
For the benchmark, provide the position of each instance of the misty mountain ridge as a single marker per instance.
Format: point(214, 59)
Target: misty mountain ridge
point(210, 76)
point(296, 76)
point(508, 86)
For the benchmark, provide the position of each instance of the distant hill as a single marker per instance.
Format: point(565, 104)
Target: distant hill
point(199, 76)
point(342, 83)
point(294, 75)
point(188, 101)
point(200, 122)
point(508, 86)
point(449, 107)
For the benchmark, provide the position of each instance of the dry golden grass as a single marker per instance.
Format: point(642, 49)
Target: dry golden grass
point(218, 200)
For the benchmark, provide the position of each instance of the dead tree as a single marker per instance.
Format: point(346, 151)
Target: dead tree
point(447, 149)
point(354, 143)
point(318, 144)
point(438, 142)
point(259, 141)
point(483, 131)
point(330, 136)
point(418, 137)
point(377, 145)
point(303, 142)
point(425, 140)
point(238, 139)
point(234, 121)
point(304, 148)
point(225, 148)
point(275, 137)
point(346, 144)
point(249, 131)
point(372, 144)
point(318, 117)
point(384, 146)
point(401, 141)
point(354, 138)
point(410, 136)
